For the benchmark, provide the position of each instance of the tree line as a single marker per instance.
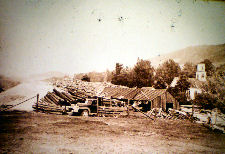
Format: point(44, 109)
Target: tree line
point(143, 74)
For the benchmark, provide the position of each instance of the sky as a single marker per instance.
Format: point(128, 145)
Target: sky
point(79, 36)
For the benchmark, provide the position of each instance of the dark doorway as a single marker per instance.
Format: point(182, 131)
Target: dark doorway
point(146, 106)
point(169, 105)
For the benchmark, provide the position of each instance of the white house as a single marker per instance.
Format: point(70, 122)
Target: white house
point(195, 83)
point(195, 88)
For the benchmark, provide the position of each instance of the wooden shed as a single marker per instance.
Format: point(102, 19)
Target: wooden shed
point(155, 98)
point(159, 98)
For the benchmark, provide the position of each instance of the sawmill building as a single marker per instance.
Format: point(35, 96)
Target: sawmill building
point(148, 97)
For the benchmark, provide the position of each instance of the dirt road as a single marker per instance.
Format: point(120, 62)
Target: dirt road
point(47, 133)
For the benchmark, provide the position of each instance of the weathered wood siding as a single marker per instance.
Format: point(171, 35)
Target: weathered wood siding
point(160, 101)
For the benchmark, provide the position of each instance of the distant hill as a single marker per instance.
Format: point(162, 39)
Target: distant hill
point(7, 83)
point(45, 76)
point(194, 54)
point(94, 76)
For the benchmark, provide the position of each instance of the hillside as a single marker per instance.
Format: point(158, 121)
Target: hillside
point(24, 91)
point(7, 83)
point(194, 54)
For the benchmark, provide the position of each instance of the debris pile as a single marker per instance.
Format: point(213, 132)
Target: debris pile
point(171, 114)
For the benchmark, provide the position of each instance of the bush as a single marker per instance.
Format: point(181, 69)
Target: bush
point(206, 101)
point(85, 78)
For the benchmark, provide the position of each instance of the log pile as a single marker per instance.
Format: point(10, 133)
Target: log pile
point(79, 94)
point(54, 102)
point(90, 88)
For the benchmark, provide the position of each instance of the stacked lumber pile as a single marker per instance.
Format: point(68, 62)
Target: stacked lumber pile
point(91, 88)
point(172, 114)
point(53, 102)
point(176, 114)
point(214, 120)
point(111, 111)
point(79, 94)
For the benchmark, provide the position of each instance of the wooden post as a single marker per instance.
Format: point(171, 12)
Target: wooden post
point(166, 101)
point(97, 106)
point(215, 116)
point(110, 102)
point(128, 103)
point(37, 102)
point(151, 105)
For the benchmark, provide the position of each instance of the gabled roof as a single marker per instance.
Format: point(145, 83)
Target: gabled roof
point(123, 93)
point(113, 91)
point(133, 93)
point(149, 94)
point(118, 92)
point(195, 83)
point(145, 93)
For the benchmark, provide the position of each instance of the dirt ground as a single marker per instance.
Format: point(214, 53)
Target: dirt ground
point(30, 132)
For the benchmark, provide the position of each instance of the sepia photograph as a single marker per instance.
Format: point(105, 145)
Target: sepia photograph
point(112, 76)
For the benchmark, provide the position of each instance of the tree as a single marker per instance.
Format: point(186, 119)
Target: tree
point(117, 77)
point(205, 100)
point(140, 76)
point(108, 76)
point(143, 73)
point(213, 93)
point(189, 70)
point(179, 91)
point(209, 67)
point(159, 83)
point(119, 67)
point(183, 84)
point(167, 71)
point(85, 78)
point(220, 70)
